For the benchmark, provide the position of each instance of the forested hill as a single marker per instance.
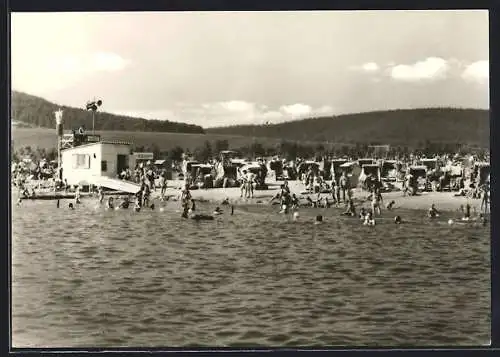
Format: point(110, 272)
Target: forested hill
point(396, 127)
point(28, 110)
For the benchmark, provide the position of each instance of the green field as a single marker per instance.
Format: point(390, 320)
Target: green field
point(46, 138)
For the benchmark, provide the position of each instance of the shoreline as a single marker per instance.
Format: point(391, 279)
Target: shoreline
point(444, 201)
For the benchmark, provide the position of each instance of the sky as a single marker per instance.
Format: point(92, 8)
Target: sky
point(229, 68)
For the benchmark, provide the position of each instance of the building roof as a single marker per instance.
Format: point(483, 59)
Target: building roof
point(98, 143)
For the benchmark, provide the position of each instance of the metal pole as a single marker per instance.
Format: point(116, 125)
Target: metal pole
point(93, 120)
point(59, 157)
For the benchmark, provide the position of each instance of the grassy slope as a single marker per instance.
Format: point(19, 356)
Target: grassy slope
point(46, 138)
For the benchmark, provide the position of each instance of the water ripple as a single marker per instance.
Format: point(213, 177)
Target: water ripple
point(117, 278)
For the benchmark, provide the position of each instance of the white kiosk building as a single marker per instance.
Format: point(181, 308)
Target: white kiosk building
point(87, 160)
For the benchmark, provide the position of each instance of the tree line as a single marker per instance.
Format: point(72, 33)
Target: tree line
point(395, 127)
point(38, 112)
point(291, 150)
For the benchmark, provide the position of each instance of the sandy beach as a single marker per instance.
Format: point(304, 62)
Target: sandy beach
point(446, 201)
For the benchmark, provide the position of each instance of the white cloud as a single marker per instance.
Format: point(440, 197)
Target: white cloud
point(366, 67)
point(230, 113)
point(478, 72)
point(429, 69)
point(326, 109)
point(371, 67)
point(85, 64)
point(296, 110)
point(106, 61)
point(60, 70)
point(238, 106)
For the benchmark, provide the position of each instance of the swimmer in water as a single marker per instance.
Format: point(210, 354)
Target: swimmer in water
point(125, 203)
point(319, 219)
point(70, 206)
point(369, 221)
point(433, 212)
point(217, 211)
point(398, 220)
point(189, 213)
point(225, 201)
point(286, 201)
point(390, 205)
point(110, 203)
point(137, 206)
point(466, 216)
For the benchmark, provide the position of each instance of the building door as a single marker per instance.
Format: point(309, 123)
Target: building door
point(121, 163)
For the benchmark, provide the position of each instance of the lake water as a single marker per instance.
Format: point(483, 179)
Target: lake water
point(97, 278)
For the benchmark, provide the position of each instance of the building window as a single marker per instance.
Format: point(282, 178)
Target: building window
point(81, 161)
point(104, 166)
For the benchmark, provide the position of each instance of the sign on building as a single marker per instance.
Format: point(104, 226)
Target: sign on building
point(143, 155)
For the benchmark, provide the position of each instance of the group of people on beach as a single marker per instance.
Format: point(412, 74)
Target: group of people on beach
point(289, 202)
point(247, 182)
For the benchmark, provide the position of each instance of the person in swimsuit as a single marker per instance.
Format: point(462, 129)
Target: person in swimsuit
point(433, 212)
point(335, 191)
point(344, 185)
point(163, 185)
point(77, 194)
point(485, 199)
point(295, 201)
point(369, 221)
point(286, 201)
point(190, 213)
point(390, 205)
point(125, 203)
point(185, 196)
point(376, 202)
point(351, 210)
point(100, 194)
point(466, 215)
point(362, 214)
point(146, 191)
point(243, 184)
point(250, 180)
point(110, 203)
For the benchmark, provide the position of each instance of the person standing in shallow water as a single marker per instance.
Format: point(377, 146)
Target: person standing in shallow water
point(100, 194)
point(486, 198)
point(163, 185)
point(186, 197)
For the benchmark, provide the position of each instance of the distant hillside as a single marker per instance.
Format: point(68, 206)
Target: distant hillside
point(397, 127)
point(38, 112)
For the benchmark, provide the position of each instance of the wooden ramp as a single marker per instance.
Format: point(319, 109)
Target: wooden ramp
point(117, 185)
